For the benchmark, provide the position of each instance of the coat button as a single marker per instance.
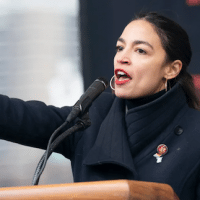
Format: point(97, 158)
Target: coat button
point(178, 130)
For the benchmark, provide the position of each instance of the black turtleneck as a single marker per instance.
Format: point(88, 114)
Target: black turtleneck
point(132, 103)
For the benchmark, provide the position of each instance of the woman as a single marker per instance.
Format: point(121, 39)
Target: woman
point(148, 130)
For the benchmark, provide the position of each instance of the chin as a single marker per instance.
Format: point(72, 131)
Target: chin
point(123, 95)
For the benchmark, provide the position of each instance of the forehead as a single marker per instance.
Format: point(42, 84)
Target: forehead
point(141, 30)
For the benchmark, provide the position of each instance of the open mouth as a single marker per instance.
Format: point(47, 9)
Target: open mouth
point(121, 77)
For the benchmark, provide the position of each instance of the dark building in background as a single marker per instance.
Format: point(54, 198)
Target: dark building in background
point(102, 22)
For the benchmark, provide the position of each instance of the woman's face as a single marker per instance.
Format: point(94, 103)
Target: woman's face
point(139, 62)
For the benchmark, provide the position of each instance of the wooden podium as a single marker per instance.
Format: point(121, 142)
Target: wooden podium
point(112, 190)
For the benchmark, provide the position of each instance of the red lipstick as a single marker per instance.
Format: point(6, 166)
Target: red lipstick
point(122, 77)
point(121, 82)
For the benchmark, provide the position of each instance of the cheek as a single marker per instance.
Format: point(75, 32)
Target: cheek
point(146, 77)
point(141, 73)
point(148, 70)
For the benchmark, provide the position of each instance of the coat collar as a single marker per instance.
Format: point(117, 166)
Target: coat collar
point(122, 136)
point(144, 123)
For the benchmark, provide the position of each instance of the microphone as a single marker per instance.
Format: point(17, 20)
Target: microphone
point(95, 89)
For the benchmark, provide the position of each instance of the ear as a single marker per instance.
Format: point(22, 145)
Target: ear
point(173, 69)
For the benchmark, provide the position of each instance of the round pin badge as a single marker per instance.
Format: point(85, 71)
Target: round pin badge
point(162, 149)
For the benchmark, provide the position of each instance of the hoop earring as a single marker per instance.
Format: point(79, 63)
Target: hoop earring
point(166, 86)
point(111, 82)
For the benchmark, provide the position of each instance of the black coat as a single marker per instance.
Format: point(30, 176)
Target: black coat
point(118, 145)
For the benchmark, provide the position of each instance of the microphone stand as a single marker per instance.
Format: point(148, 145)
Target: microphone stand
point(82, 123)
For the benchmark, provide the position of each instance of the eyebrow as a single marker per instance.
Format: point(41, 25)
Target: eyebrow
point(136, 42)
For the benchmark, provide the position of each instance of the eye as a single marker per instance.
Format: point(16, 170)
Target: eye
point(141, 51)
point(119, 48)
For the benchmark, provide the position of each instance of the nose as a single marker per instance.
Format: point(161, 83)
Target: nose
point(124, 60)
point(123, 57)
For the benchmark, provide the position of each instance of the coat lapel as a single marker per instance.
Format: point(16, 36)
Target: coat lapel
point(111, 145)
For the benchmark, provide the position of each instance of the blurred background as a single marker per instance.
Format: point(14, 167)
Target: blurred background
point(39, 59)
point(52, 50)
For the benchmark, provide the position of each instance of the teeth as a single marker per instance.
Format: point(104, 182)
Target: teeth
point(120, 73)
